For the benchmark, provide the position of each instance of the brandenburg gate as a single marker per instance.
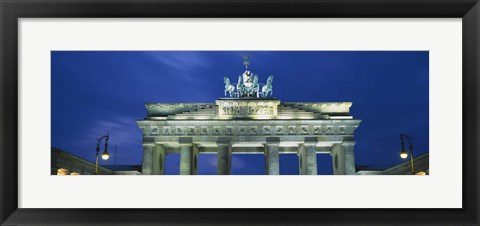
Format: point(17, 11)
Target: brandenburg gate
point(249, 121)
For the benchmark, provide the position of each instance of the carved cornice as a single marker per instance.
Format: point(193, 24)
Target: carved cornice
point(164, 109)
point(321, 107)
point(249, 108)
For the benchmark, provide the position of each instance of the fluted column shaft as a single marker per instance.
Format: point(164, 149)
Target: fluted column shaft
point(147, 161)
point(159, 154)
point(186, 156)
point(194, 164)
point(224, 157)
point(272, 157)
point(343, 159)
point(307, 156)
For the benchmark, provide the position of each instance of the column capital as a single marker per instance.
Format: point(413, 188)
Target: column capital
point(310, 141)
point(148, 145)
point(345, 144)
point(224, 140)
point(185, 141)
point(348, 143)
point(272, 140)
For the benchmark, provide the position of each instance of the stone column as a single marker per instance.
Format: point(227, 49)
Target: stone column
point(186, 155)
point(343, 159)
point(195, 159)
point(159, 154)
point(147, 162)
point(272, 157)
point(224, 160)
point(301, 162)
point(307, 156)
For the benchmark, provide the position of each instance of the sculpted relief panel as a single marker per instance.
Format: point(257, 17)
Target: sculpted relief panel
point(234, 108)
point(253, 131)
point(204, 131)
point(153, 130)
point(229, 131)
point(191, 130)
point(247, 110)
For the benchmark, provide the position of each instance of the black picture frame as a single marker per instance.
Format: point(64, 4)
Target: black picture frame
point(12, 10)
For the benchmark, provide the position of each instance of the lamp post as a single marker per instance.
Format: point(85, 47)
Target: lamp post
point(404, 154)
point(105, 154)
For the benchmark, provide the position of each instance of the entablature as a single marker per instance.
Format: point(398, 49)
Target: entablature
point(253, 144)
point(248, 127)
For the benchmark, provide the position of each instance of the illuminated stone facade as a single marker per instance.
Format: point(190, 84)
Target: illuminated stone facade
point(249, 125)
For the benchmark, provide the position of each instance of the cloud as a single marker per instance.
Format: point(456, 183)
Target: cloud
point(186, 63)
point(120, 129)
point(185, 72)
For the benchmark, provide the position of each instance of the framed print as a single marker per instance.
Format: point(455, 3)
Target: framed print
point(295, 112)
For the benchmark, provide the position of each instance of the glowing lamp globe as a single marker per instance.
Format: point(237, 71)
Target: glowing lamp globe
point(105, 155)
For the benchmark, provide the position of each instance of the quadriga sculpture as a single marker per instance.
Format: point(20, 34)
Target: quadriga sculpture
point(268, 88)
point(228, 87)
point(240, 89)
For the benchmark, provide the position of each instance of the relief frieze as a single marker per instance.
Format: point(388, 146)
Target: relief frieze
point(166, 131)
point(292, 130)
point(179, 131)
point(249, 130)
point(247, 108)
point(216, 131)
point(154, 130)
point(253, 131)
point(204, 131)
point(304, 130)
point(329, 130)
point(191, 130)
point(279, 130)
point(229, 131)
point(266, 130)
point(241, 131)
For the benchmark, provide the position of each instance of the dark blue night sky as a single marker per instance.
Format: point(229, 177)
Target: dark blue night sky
point(100, 92)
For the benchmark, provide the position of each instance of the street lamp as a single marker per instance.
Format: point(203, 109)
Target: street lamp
point(105, 154)
point(403, 153)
